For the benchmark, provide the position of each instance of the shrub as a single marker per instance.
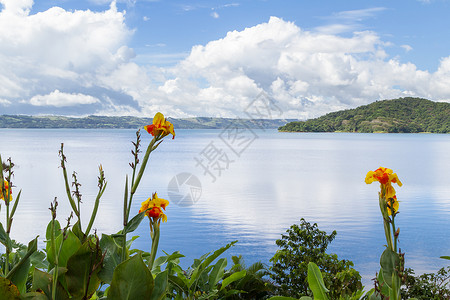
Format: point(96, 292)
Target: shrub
point(305, 243)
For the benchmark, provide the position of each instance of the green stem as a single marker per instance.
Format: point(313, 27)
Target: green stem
point(55, 270)
point(384, 214)
point(94, 212)
point(155, 242)
point(66, 182)
point(8, 251)
point(135, 183)
point(394, 231)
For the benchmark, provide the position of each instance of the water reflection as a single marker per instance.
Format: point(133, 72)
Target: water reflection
point(277, 180)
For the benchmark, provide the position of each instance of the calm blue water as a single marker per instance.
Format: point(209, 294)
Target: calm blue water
point(265, 181)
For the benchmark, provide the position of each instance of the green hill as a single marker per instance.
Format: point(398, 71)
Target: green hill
point(22, 121)
point(404, 115)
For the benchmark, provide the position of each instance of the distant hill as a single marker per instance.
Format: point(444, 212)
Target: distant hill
point(404, 115)
point(21, 121)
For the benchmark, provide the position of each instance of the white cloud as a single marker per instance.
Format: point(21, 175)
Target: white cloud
point(61, 59)
point(307, 73)
point(406, 47)
point(215, 15)
point(59, 99)
point(59, 50)
point(358, 14)
point(4, 102)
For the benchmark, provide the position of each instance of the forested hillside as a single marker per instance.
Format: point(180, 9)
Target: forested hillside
point(404, 115)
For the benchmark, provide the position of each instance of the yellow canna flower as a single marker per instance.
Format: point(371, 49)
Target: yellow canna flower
point(160, 126)
point(153, 206)
point(395, 205)
point(7, 189)
point(385, 177)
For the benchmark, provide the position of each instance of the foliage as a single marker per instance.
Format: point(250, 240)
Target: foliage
point(404, 115)
point(301, 245)
point(431, 286)
point(254, 284)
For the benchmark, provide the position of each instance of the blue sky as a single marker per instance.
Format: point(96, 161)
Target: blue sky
point(212, 58)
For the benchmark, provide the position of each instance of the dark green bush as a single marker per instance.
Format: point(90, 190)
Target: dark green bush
point(305, 243)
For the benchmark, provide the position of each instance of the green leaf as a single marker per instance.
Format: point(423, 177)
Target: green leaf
point(69, 247)
point(82, 269)
point(134, 223)
point(8, 290)
point(131, 280)
point(198, 271)
point(34, 296)
point(38, 260)
point(4, 238)
point(389, 261)
point(385, 289)
point(287, 298)
point(445, 257)
point(48, 232)
point(43, 281)
point(180, 283)
point(19, 274)
point(161, 284)
point(232, 278)
point(316, 283)
point(78, 231)
point(216, 273)
point(112, 258)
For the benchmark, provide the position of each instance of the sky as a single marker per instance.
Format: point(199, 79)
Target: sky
point(190, 58)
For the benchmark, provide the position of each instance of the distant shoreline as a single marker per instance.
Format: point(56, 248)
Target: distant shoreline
point(103, 122)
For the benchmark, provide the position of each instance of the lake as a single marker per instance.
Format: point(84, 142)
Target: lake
point(248, 186)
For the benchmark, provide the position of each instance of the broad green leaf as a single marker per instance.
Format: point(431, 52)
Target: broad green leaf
point(78, 231)
point(287, 298)
point(384, 287)
point(232, 278)
point(131, 280)
point(70, 246)
point(134, 222)
point(82, 269)
point(445, 257)
point(316, 283)
point(38, 260)
point(43, 281)
point(48, 232)
point(389, 261)
point(112, 258)
point(216, 273)
point(8, 291)
point(19, 273)
point(161, 284)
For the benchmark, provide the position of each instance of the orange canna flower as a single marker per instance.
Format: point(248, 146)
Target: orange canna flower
point(7, 189)
point(154, 207)
point(160, 126)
